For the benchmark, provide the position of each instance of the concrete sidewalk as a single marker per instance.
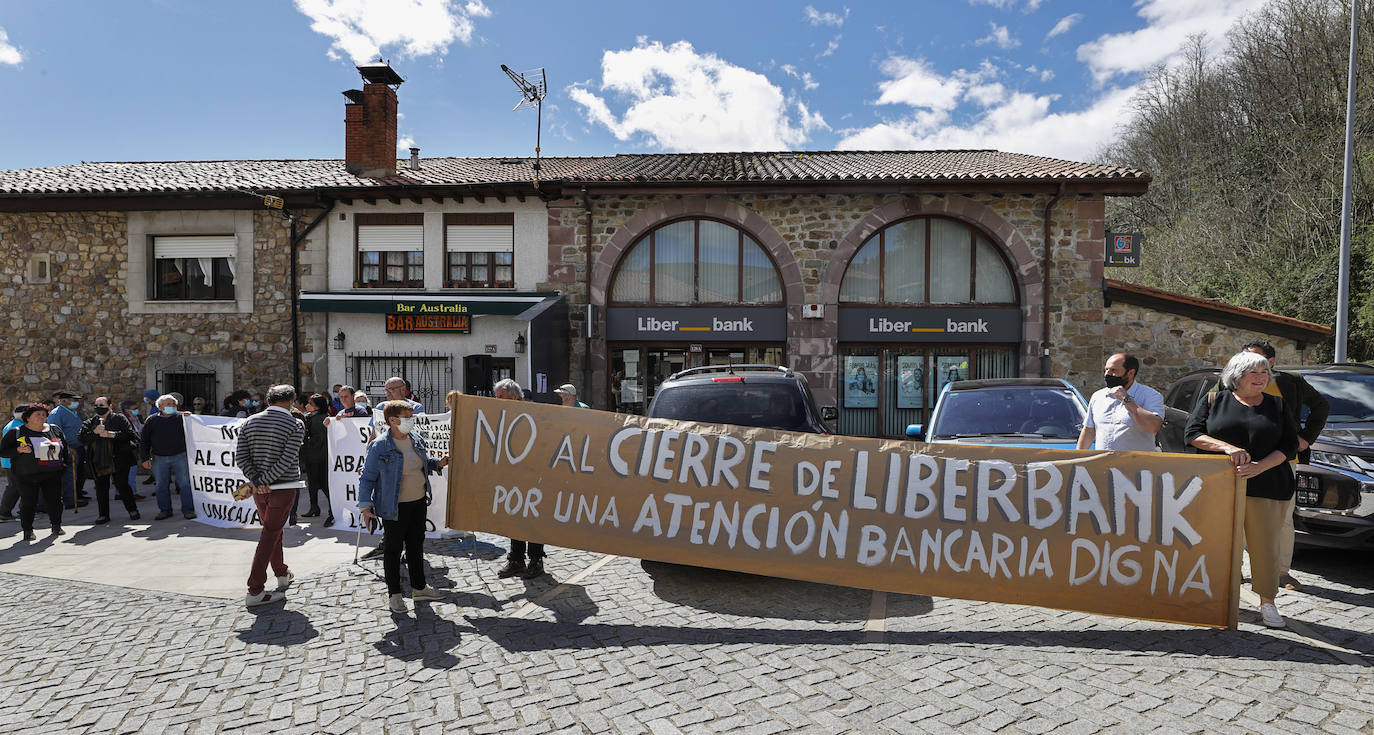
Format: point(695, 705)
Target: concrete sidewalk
point(175, 555)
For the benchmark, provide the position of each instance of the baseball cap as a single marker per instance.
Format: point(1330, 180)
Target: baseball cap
point(68, 394)
point(567, 389)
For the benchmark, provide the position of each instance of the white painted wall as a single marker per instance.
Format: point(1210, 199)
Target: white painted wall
point(531, 238)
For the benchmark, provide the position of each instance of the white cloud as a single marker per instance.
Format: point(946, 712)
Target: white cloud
point(1000, 36)
point(1046, 75)
point(680, 100)
point(1064, 24)
point(816, 17)
point(8, 53)
point(362, 28)
point(831, 47)
point(914, 83)
point(807, 82)
point(1168, 24)
point(403, 145)
point(987, 95)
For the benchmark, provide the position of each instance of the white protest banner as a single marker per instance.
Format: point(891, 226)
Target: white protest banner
point(348, 438)
point(210, 453)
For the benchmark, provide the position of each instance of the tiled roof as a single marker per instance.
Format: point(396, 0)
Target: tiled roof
point(955, 165)
point(1170, 301)
point(190, 177)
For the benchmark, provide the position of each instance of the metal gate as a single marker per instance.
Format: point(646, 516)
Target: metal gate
point(430, 375)
point(191, 381)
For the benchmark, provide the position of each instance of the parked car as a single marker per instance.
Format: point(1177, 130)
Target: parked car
point(1336, 491)
point(1044, 413)
point(766, 396)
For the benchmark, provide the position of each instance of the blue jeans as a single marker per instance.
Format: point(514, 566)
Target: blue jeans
point(163, 469)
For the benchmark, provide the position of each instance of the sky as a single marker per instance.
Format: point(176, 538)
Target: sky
point(157, 80)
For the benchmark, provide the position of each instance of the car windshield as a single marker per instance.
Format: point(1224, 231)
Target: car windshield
point(1042, 410)
point(1351, 396)
point(768, 405)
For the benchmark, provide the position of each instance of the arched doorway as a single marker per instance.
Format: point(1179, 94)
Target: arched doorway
point(924, 301)
point(690, 292)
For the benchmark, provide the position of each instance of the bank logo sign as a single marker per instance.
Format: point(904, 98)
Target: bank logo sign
point(929, 325)
point(697, 324)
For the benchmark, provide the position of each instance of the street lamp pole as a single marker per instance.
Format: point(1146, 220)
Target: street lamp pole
point(1343, 281)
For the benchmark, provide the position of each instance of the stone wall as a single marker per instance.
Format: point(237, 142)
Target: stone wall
point(1170, 345)
point(812, 238)
point(77, 333)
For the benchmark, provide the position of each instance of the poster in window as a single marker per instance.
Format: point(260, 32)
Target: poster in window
point(949, 368)
point(911, 375)
point(860, 381)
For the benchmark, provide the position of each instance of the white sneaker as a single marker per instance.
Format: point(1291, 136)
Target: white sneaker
point(284, 582)
point(426, 593)
point(397, 603)
point(1270, 614)
point(263, 598)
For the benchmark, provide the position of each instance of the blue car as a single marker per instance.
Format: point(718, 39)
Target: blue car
point(1040, 413)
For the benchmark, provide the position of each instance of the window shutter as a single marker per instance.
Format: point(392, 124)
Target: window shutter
point(480, 238)
point(391, 238)
point(214, 246)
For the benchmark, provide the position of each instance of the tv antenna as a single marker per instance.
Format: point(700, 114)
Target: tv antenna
point(533, 87)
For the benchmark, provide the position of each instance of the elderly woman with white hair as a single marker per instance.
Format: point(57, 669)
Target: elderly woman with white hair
point(1252, 428)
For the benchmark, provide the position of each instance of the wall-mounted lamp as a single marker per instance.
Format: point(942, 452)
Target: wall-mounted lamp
point(339, 341)
point(519, 344)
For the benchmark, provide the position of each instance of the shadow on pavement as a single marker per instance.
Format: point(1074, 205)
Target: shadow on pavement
point(528, 635)
point(751, 595)
point(274, 625)
point(426, 638)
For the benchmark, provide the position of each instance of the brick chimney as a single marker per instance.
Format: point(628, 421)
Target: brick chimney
point(370, 123)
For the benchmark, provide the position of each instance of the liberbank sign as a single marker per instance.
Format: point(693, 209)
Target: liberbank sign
point(929, 325)
point(697, 324)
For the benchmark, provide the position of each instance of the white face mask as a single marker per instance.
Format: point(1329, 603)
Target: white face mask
point(407, 425)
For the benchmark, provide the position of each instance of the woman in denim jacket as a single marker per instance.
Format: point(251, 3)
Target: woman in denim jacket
point(395, 487)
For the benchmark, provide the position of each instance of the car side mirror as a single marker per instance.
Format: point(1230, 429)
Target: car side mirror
point(1319, 487)
point(916, 431)
point(829, 413)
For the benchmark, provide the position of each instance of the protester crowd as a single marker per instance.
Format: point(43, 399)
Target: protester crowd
point(1260, 418)
point(49, 452)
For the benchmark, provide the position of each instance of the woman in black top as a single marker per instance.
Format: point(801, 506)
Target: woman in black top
point(315, 456)
point(1252, 428)
point(38, 456)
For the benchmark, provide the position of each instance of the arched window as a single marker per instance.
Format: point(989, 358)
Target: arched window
point(697, 261)
point(928, 260)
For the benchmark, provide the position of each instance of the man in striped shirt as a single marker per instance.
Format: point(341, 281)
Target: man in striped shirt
point(268, 453)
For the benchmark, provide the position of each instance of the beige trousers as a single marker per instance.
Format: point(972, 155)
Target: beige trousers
point(1286, 538)
point(1263, 530)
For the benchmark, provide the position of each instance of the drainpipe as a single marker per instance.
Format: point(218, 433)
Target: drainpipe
point(296, 240)
point(1045, 285)
point(587, 324)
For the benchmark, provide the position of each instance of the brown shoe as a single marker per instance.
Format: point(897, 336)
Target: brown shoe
point(1287, 582)
point(511, 569)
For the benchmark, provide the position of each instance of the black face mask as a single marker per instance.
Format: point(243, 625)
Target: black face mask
point(1114, 381)
point(102, 410)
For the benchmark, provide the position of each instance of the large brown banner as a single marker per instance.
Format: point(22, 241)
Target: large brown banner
point(1136, 534)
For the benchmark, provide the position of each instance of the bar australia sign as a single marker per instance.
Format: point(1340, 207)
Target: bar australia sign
point(1118, 533)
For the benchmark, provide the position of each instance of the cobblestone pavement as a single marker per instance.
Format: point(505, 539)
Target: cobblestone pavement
point(625, 646)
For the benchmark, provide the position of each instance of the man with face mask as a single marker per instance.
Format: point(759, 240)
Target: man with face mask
point(1125, 415)
point(11, 496)
point(64, 415)
point(109, 439)
point(162, 447)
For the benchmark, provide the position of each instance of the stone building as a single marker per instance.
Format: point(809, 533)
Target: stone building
point(879, 275)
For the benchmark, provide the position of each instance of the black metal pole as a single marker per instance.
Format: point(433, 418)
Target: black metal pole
point(295, 309)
